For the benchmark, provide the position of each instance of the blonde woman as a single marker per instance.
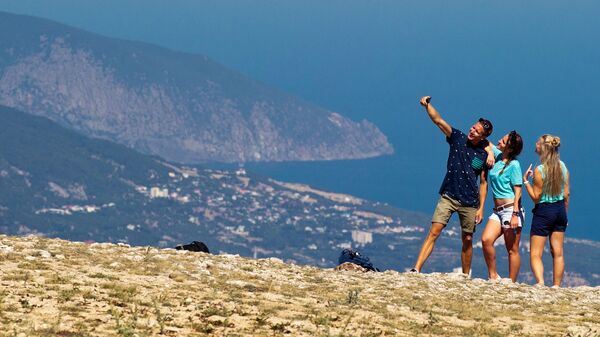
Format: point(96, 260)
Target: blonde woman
point(550, 193)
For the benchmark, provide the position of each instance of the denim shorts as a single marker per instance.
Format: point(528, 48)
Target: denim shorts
point(549, 217)
point(504, 216)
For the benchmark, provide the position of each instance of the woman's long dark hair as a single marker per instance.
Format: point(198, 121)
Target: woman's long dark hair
point(514, 144)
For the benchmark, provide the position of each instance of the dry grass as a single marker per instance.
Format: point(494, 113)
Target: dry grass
point(60, 288)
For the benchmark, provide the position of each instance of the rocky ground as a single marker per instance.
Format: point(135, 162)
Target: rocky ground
point(60, 288)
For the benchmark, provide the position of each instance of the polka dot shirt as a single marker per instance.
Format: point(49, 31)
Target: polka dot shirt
point(465, 163)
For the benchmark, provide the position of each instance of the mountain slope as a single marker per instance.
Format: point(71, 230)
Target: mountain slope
point(183, 107)
point(75, 289)
point(57, 183)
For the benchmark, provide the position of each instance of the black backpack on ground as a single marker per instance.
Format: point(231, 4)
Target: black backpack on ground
point(353, 256)
point(195, 246)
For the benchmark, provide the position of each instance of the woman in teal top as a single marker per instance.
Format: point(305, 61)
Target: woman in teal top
point(550, 193)
point(507, 219)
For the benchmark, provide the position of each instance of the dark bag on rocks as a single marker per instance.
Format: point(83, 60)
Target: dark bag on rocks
point(195, 246)
point(353, 256)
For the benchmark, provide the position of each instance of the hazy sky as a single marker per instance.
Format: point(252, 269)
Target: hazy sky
point(533, 66)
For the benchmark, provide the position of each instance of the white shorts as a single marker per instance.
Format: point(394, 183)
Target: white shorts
point(504, 216)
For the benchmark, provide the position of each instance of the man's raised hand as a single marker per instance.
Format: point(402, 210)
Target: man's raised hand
point(425, 100)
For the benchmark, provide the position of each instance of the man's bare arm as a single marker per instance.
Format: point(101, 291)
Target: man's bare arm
point(435, 116)
point(491, 159)
point(483, 189)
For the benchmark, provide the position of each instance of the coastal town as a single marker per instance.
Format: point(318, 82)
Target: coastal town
point(247, 212)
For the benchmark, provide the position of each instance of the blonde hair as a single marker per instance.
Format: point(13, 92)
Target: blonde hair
point(554, 178)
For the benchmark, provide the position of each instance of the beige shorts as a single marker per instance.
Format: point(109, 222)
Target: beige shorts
point(446, 206)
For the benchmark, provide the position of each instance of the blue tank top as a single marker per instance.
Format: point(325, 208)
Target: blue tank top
point(554, 198)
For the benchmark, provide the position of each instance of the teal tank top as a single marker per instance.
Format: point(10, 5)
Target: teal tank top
point(502, 184)
point(548, 199)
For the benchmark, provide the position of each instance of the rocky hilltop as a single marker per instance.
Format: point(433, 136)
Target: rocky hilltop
point(183, 107)
point(61, 288)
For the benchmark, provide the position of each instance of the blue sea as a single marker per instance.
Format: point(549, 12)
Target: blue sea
point(402, 183)
point(525, 66)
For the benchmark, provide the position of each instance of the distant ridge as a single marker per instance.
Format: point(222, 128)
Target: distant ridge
point(183, 107)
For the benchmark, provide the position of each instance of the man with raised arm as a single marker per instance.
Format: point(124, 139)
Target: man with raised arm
point(460, 191)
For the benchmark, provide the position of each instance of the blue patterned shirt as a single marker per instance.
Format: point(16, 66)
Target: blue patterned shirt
point(465, 163)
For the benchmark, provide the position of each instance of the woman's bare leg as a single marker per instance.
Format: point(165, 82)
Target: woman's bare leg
point(556, 247)
point(490, 234)
point(536, 247)
point(512, 237)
